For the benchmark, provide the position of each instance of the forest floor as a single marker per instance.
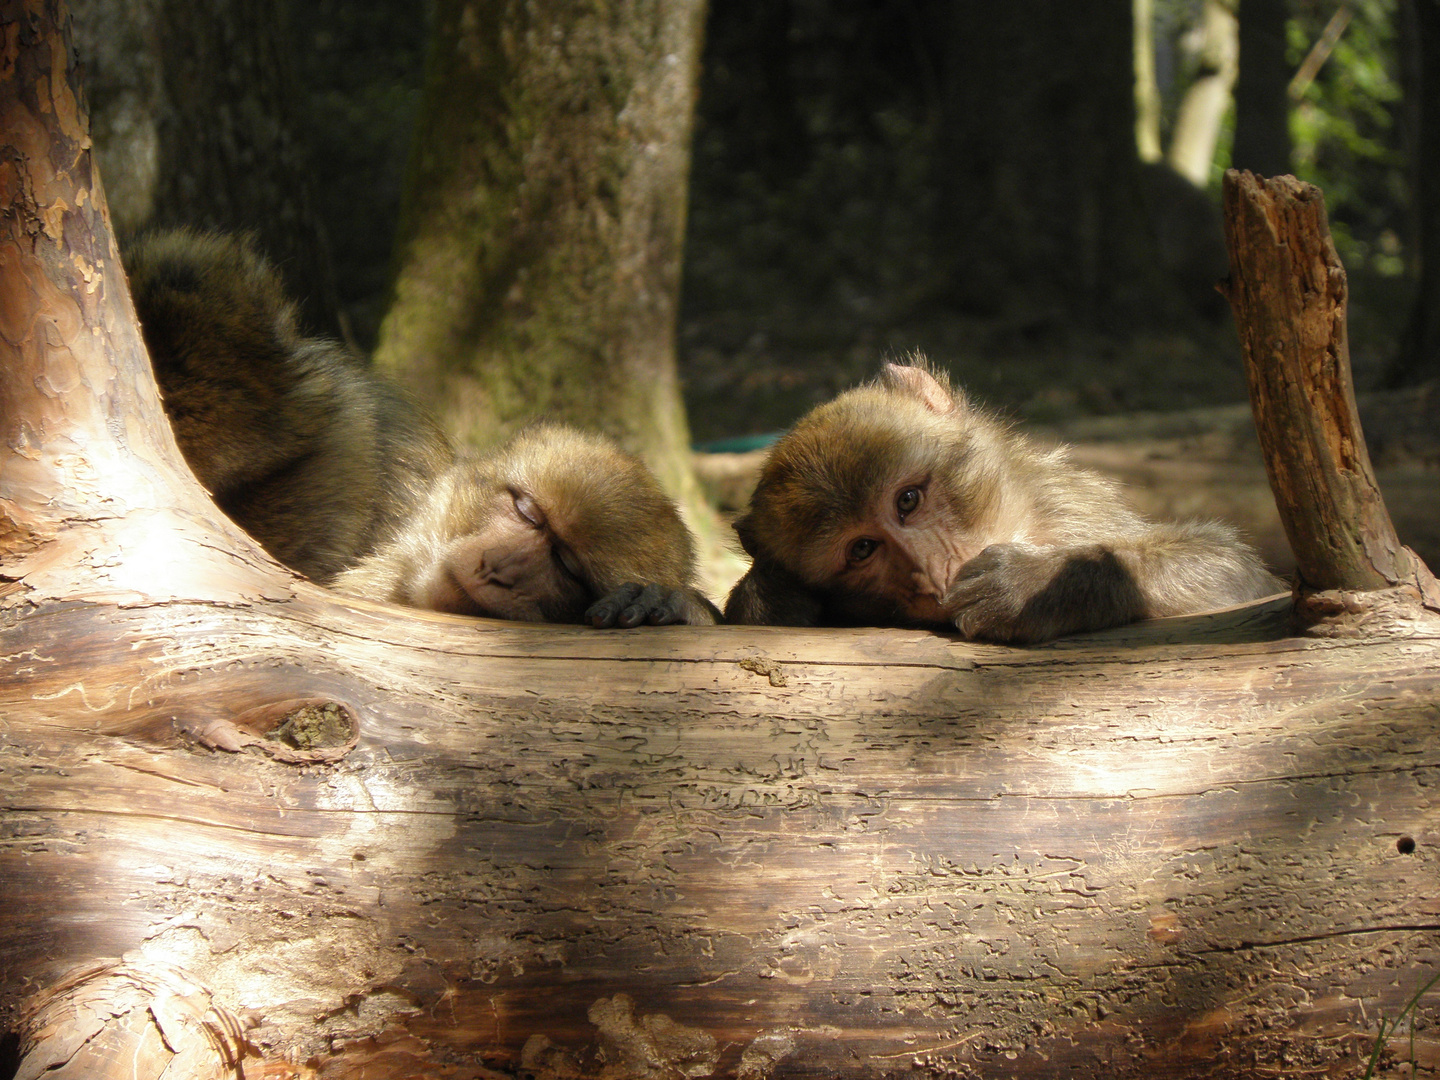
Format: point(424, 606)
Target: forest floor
point(1166, 415)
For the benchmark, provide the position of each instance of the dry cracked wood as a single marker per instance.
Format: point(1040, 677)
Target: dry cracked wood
point(1289, 294)
point(1171, 850)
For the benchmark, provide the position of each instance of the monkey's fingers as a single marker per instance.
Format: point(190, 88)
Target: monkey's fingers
point(656, 605)
point(609, 609)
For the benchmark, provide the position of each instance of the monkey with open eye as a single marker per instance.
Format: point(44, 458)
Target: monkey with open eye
point(341, 477)
point(900, 503)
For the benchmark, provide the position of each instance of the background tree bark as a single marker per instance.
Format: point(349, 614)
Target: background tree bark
point(1050, 217)
point(1203, 108)
point(540, 240)
point(1262, 101)
point(1147, 91)
point(192, 108)
point(1419, 357)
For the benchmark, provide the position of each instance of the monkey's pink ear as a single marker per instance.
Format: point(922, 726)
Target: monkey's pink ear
point(919, 383)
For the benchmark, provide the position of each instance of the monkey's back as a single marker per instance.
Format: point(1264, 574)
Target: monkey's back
point(315, 456)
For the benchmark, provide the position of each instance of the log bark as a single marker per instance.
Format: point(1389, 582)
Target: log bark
point(1174, 850)
point(1192, 848)
point(1289, 294)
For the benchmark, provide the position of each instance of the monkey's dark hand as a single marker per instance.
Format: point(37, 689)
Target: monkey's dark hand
point(658, 605)
point(1001, 595)
point(1025, 594)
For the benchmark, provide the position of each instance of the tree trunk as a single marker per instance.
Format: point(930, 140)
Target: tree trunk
point(1046, 222)
point(192, 120)
point(1262, 103)
point(1192, 848)
point(539, 248)
point(1147, 92)
point(1289, 293)
point(1419, 357)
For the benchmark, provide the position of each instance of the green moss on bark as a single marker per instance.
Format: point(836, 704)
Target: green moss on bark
point(539, 250)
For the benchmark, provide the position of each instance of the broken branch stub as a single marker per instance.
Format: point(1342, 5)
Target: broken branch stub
point(1288, 291)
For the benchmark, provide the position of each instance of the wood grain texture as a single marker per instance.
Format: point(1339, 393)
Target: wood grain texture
point(1289, 294)
point(1167, 850)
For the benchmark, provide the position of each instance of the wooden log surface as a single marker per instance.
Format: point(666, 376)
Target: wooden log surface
point(1177, 849)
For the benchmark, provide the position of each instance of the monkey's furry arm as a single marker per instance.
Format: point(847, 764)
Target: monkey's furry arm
point(770, 596)
point(1026, 593)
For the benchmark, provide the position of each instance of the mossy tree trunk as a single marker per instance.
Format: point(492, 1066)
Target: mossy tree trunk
point(538, 260)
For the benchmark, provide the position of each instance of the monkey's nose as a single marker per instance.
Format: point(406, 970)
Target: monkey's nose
point(922, 584)
point(497, 567)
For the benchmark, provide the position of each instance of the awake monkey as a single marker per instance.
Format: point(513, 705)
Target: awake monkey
point(340, 476)
point(901, 503)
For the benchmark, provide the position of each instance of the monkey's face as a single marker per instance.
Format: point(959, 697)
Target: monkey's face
point(549, 524)
point(874, 502)
point(895, 561)
point(906, 551)
point(511, 565)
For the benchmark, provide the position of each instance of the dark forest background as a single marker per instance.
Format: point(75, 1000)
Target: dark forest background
point(872, 177)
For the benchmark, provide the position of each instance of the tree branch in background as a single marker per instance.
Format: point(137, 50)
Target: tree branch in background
point(1320, 51)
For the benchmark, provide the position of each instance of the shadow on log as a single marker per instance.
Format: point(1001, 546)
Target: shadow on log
point(1197, 847)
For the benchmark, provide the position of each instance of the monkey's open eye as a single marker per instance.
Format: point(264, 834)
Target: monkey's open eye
point(862, 549)
point(907, 501)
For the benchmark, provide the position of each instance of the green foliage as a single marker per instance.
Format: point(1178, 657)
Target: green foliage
point(1346, 131)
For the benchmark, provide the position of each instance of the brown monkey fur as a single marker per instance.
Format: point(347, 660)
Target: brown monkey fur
point(553, 527)
point(311, 454)
point(901, 503)
point(341, 477)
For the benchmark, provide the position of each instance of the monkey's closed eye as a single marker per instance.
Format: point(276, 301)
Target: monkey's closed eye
point(862, 549)
point(568, 562)
point(907, 501)
point(528, 508)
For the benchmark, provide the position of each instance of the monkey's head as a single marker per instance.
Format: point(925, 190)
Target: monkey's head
point(875, 499)
point(551, 523)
